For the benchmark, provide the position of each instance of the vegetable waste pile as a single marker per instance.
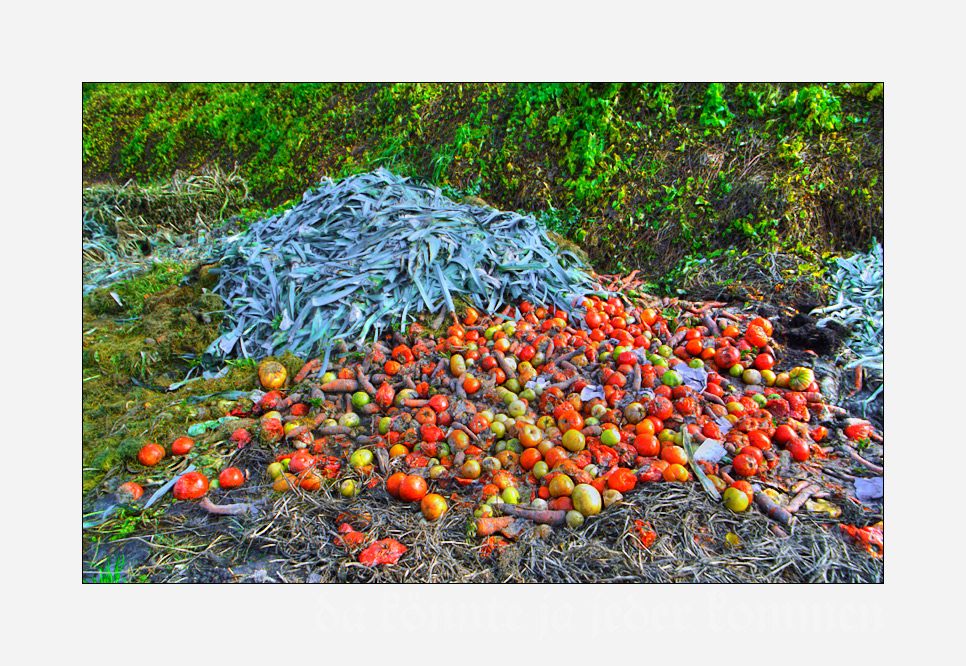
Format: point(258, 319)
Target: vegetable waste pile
point(583, 437)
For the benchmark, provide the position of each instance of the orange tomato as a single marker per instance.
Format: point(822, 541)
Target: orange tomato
point(432, 506)
point(470, 316)
point(647, 445)
point(622, 480)
point(676, 472)
point(412, 488)
point(674, 454)
point(764, 324)
point(530, 457)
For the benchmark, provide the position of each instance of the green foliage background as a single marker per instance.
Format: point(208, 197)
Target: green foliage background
point(644, 176)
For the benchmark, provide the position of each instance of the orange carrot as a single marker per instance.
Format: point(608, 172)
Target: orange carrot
point(489, 526)
point(544, 516)
point(341, 386)
point(306, 369)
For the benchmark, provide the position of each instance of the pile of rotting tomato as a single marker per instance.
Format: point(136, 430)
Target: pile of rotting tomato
point(549, 417)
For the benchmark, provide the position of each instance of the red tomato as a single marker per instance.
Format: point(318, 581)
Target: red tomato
point(231, 477)
point(745, 465)
point(726, 357)
point(182, 446)
point(764, 361)
point(191, 486)
point(413, 488)
point(754, 452)
point(798, 449)
point(783, 434)
point(756, 336)
point(151, 454)
point(622, 480)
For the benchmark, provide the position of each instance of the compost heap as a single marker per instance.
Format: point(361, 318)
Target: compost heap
point(370, 251)
point(544, 406)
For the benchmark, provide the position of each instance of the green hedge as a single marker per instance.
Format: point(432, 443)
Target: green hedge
point(644, 175)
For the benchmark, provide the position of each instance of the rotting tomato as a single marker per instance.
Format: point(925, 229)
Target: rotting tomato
point(676, 472)
point(129, 492)
point(622, 480)
point(393, 483)
point(182, 446)
point(413, 488)
point(432, 506)
point(231, 477)
point(191, 485)
point(151, 454)
point(798, 449)
point(745, 464)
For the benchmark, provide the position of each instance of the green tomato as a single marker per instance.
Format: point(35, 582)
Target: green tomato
point(665, 351)
point(347, 488)
point(514, 445)
point(735, 499)
point(610, 437)
point(483, 511)
point(360, 398)
point(528, 395)
point(360, 458)
point(574, 519)
point(498, 429)
point(540, 469)
point(672, 378)
point(442, 448)
point(591, 420)
point(349, 420)
point(574, 440)
point(661, 362)
point(511, 495)
point(275, 470)
point(619, 349)
point(384, 424)
point(759, 399)
point(328, 377)
point(509, 397)
point(513, 385)
point(490, 332)
point(695, 363)
point(517, 408)
point(736, 370)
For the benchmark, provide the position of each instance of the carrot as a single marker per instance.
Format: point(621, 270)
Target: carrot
point(415, 402)
point(335, 430)
point(469, 433)
point(768, 507)
point(862, 461)
point(803, 495)
point(341, 386)
point(504, 366)
point(306, 369)
point(489, 526)
point(711, 397)
point(371, 408)
point(566, 384)
point(592, 431)
point(713, 329)
point(227, 509)
point(364, 381)
point(544, 516)
point(288, 402)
